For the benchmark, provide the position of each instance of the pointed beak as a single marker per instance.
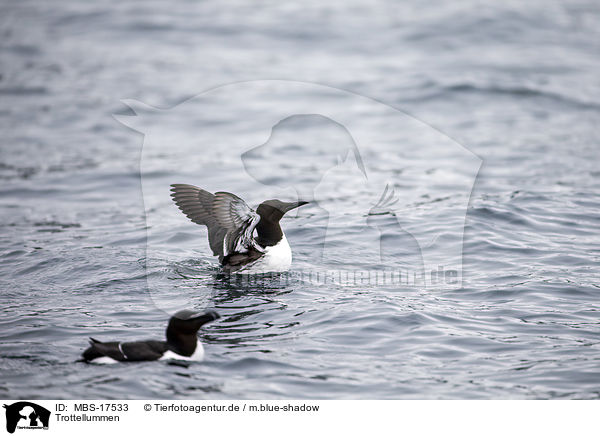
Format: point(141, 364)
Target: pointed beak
point(294, 205)
point(207, 317)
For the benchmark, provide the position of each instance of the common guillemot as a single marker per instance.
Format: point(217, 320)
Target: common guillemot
point(231, 224)
point(182, 343)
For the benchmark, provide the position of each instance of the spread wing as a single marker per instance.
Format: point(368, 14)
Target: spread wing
point(230, 221)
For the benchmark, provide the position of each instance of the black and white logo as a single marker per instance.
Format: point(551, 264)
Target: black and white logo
point(26, 415)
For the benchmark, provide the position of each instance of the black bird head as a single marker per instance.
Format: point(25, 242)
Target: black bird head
point(273, 210)
point(183, 329)
point(187, 322)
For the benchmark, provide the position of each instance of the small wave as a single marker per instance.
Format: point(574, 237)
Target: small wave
point(443, 91)
point(24, 90)
point(56, 224)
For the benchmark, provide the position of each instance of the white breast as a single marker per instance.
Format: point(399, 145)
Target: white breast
point(104, 360)
point(277, 258)
point(196, 357)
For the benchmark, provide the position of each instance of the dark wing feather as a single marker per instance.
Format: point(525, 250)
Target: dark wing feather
point(230, 221)
point(147, 350)
point(99, 349)
point(233, 214)
point(237, 261)
point(197, 205)
point(125, 351)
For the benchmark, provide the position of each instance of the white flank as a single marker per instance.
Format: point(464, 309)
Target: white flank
point(196, 357)
point(277, 258)
point(104, 360)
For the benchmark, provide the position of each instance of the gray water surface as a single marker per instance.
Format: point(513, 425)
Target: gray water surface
point(516, 84)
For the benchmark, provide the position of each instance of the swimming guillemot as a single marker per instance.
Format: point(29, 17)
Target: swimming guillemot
point(182, 343)
point(231, 224)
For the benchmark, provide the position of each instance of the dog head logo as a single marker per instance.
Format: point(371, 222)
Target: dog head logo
point(26, 415)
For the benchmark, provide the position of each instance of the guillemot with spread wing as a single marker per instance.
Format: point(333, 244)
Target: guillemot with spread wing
point(182, 343)
point(231, 224)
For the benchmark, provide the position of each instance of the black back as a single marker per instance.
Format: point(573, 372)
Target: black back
point(125, 351)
